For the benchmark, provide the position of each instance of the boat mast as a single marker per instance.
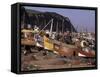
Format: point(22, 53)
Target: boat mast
point(51, 27)
point(47, 25)
point(57, 28)
point(77, 28)
point(62, 25)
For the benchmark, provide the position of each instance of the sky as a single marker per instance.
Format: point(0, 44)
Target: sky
point(81, 19)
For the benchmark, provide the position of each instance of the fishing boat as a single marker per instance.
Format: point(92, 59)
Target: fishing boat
point(54, 45)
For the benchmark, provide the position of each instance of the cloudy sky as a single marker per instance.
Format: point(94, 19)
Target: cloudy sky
point(81, 19)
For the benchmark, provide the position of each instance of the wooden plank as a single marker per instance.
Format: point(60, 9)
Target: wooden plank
point(28, 42)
